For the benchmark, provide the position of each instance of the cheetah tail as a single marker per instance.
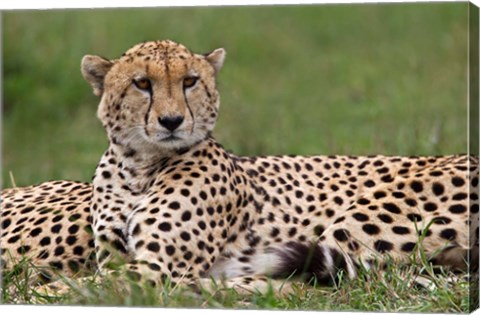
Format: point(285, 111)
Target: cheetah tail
point(312, 261)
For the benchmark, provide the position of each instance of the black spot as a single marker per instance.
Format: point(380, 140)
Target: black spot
point(385, 218)
point(45, 241)
point(35, 232)
point(153, 247)
point(398, 194)
point(408, 247)
point(185, 236)
point(57, 218)
point(474, 182)
point(363, 201)
point(426, 233)
point(474, 208)
point(370, 229)
point(165, 226)
point(27, 210)
point(458, 181)
point(136, 230)
point(457, 208)
point(78, 250)
point(170, 250)
point(6, 223)
point(383, 246)
point(56, 265)
point(118, 245)
point(22, 250)
point(318, 230)
point(416, 186)
point(202, 225)
point(410, 202)
point(448, 234)
point(430, 206)
point(59, 250)
point(73, 229)
point(56, 228)
point(74, 217)
point(441, 220)
point(338, 200)
point(292, 231)
point(106, 174)
point(353, 245)
point(379, 194)
point(438, 189)
point(43, 254)
point(339, 219)
point(154, 266)
point(387, 179)
point(391, 207)
point(459, 196)
point(369, 183)
point(150, 221)
point(203, 195)
point(414, 217)
point(341, 235)
point(71, 240)
point(330, 213)
point(274, 232)
point(174, 205)
point(400, 230)
point(360, 217)
point(186, 216)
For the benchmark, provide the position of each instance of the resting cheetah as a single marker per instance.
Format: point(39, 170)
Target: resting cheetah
point(175, 204)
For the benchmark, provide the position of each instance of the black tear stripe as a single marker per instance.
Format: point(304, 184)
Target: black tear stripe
point(150, 104)
point(189, 110)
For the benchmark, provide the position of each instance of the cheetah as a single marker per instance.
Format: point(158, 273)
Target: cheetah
point(174, 204)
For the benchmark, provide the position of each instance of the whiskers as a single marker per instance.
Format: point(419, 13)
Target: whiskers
point(148, 141)
point(134, 137)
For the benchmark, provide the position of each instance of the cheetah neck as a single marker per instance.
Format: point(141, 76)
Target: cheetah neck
point(133, 170)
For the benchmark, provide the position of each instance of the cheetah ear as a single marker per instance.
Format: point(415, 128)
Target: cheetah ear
point(94, 69)
point(216, 58)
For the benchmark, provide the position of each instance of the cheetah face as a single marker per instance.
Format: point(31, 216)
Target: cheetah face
point(156, 96)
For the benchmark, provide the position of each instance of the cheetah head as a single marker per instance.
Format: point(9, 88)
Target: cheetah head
point(157, 96)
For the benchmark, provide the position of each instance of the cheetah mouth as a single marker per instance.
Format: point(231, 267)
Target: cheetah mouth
point(170, 138)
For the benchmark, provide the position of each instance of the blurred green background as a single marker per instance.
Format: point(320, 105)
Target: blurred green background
point(320, 79)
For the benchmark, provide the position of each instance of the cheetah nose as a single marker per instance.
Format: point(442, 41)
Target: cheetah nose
point(171, 122)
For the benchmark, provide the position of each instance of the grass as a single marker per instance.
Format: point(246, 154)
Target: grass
point(394, 290)
point(324, 79)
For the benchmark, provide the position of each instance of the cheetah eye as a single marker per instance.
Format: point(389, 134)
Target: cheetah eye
point(142, 84)
point(188, 82)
